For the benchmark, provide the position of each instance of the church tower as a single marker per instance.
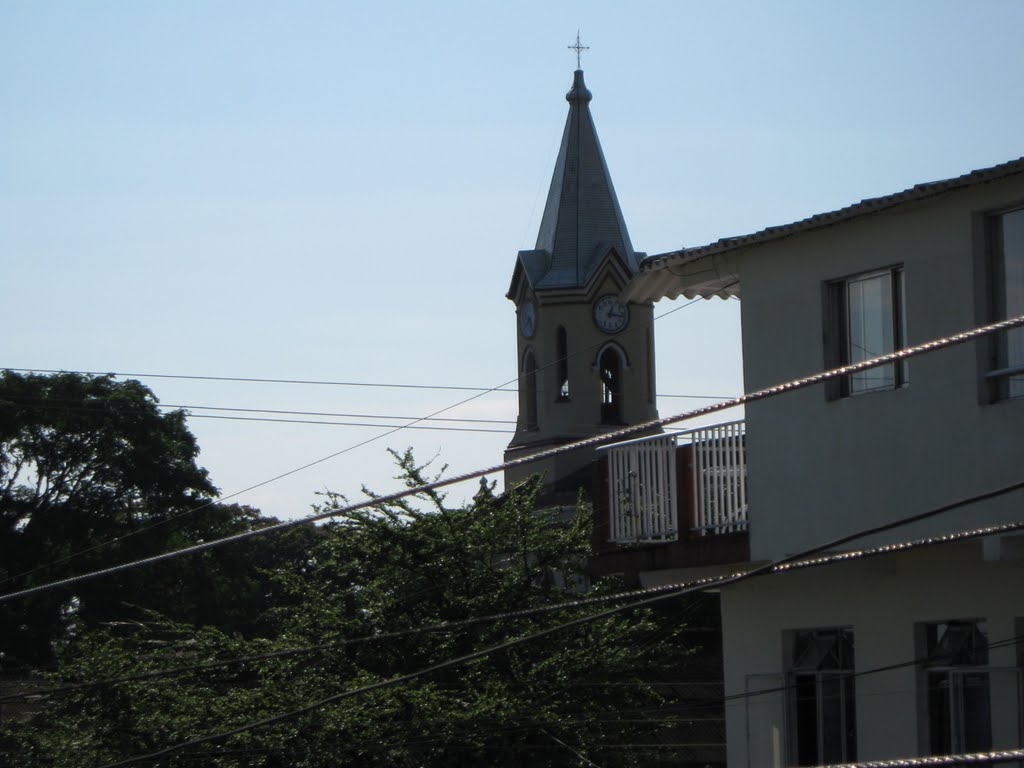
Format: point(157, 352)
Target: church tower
point(585, 357)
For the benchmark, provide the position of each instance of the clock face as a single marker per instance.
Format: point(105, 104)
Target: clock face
point(527, 319)
point(610, 314)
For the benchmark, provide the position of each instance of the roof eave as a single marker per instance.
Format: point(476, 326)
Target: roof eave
point(666, 275)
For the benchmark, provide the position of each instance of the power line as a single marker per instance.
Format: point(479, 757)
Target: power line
point(506, 387)
point(391, 431)
point(971, 758)
point(275, 478)
point(337, 415)
point(800, 562)
point(590, 442)
point(803, 560)
point(700, 585)
point(86, 409)
point(349, 423)
point(446, 626)
point(768, 568)
point(100, 406)
point(256, 380)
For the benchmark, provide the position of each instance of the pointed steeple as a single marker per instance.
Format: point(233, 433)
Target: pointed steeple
point(582, 220)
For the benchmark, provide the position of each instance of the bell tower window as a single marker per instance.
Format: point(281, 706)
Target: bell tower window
point(562, 346)
point(609, 367)
point(530, 389)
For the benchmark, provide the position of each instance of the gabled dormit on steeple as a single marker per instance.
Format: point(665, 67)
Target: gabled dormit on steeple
point(582, 224)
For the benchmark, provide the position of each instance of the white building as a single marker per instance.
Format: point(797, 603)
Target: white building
point(901, 654)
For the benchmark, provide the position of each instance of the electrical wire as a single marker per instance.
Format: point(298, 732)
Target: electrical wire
point(255, 380)
point(776, 566)
point(972, 758)
point(446, 626)
point(391, 431)
point(221, 499)
point(686, 587)
point(591, 442)
point(350, 424)
point(506, 387)
point(100, 406)
point(87, 409)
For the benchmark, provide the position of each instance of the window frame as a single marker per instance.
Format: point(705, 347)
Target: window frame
point(798, 677)
point(836, 330)
point(945, 682)
point(995, 371)
point(611, 388)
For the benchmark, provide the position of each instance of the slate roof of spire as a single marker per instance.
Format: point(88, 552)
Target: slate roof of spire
point(582, 220)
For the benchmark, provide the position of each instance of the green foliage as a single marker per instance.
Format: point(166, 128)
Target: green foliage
point(387, 569)
point(93, 473)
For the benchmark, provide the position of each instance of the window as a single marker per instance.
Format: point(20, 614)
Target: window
point(1006, 241)
point(956, 687)
point(610, 369)
point(822, 697)
point(866, 320)
point(562, 343)
point(530, 389)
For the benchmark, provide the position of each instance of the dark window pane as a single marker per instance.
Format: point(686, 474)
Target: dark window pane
point(806, 720)
point(977, 729)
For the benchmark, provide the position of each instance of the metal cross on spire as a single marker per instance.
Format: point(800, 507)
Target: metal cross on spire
point(578, 48)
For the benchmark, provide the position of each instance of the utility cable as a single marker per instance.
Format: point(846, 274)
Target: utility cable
point(971, 758)
point(695, 585)
point(88, 410)
point(350, 424)
point(590, 442)
point(391, 431)
point(506, 387)
point(255, 380)
point(274, 479)
point(101, 406)
point(778, 565)
point(445, 626)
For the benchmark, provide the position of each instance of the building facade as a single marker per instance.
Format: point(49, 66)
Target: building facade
point(914, 650)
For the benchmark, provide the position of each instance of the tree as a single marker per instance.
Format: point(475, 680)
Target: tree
point(92, 473)
point(392, 568)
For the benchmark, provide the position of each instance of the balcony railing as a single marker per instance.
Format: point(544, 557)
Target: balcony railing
point(642, 490)
point(692, 481)
point(720, 477)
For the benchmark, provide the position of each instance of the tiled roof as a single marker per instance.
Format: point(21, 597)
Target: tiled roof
point(648, 286)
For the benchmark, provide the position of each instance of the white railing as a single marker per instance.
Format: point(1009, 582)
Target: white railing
point(642, 490)
point(644, 494)
point(720, 477)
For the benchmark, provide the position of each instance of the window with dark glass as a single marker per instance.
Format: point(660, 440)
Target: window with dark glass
point(822, 697)
point(530, 389)
point(956, 683)
point(610, 369)
point(562, 344)
point(1006, 247)
point(866, 319)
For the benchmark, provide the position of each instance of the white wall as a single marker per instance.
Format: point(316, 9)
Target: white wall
point(822, 468)
point(882, 599)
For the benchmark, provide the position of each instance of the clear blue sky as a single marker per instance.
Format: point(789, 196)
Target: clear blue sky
point(338, 190)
